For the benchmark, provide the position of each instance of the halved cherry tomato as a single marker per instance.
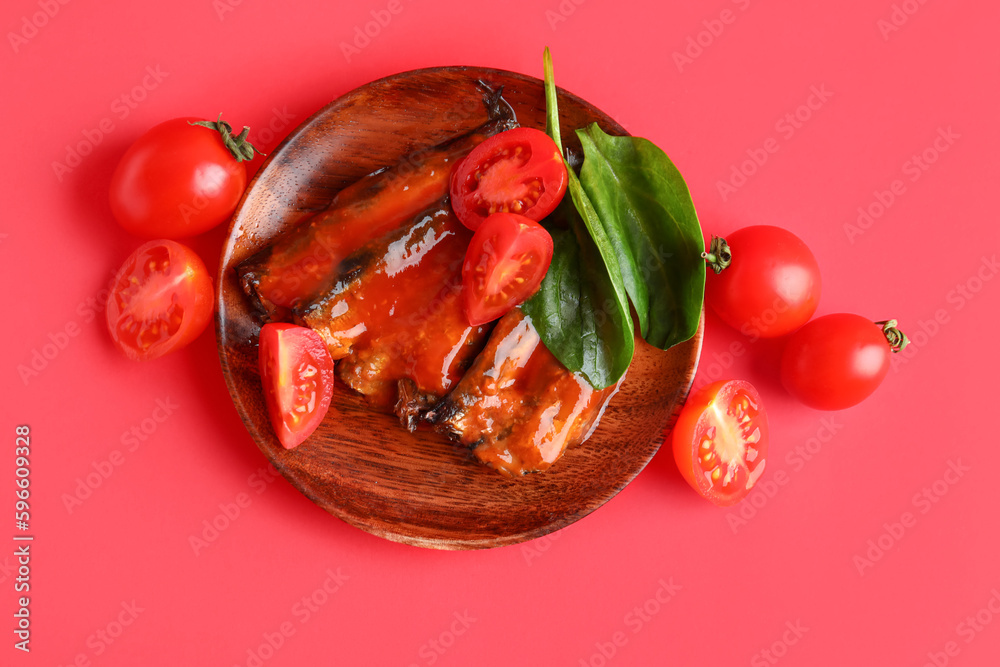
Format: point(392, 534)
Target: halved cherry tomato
point(297, 374)
point(160, 301)
point(837, 361)
point(720, 441)
point(504, 265)
point(772, 286)
point(517, 171)
point(179, 179)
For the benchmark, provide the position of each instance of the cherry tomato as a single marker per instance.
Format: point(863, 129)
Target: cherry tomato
point(517, 171)
point(504, 265)
point(772, 286)
point(837, 361)
point(161, 300)
point(180, 179)
point(297, 374)
point(720, 441)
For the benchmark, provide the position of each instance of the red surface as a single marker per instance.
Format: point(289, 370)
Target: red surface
point(657, 575)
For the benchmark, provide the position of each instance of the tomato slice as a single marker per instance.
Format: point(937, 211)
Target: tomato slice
point(504, 265)
point(161, 300)
point(720, 441)
point(297, 374)
point(517, 171)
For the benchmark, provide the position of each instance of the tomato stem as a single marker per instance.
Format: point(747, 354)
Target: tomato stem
point(718, 254)
point(240, 148)
point(897, 339)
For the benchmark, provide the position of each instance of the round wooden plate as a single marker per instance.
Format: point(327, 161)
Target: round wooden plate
point(362, 466)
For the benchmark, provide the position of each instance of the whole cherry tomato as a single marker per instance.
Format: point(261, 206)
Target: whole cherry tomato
point(181, 178)
point(772, 286)
point(837, 361)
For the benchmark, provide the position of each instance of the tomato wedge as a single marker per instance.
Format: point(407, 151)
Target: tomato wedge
point(297, 373)
point(720, 441)
point(504, 265)
point(160, 301)
point(517, 171)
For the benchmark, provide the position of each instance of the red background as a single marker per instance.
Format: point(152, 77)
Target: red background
point(785, 559)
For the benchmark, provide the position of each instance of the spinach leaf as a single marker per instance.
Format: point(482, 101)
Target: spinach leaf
point(652, 226)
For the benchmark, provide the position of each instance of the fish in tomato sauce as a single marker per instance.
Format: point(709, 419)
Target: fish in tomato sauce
point(394, 317)
point(518, 408)
point(303, 263)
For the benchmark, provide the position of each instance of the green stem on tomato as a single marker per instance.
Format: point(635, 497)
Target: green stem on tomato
point(896, 338)
point(718, 254)
point(238, 146)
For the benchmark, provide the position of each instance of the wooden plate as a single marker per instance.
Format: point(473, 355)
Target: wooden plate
point(362, 466)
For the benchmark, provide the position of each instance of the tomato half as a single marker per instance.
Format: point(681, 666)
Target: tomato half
point(296, 372)
point(178, 180)
point(517, 171)
point(161, 300)
point(720, 441)
point(504, 265)
point(836, 361)
point(772, 286)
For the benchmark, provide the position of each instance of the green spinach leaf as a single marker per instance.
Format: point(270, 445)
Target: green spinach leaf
point(651, 224)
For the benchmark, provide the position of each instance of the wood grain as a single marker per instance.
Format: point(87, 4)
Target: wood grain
point(361, 466)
